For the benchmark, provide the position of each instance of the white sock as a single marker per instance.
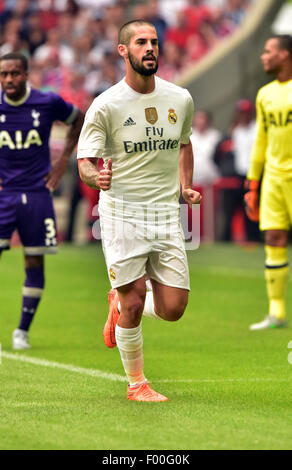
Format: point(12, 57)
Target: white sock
point(148, 285)
point(149, 307)
point(130, 344)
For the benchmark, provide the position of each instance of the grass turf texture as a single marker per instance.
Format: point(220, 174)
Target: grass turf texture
point(228, 388)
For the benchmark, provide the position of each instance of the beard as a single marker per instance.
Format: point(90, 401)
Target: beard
point(272, 69)
point(140, 68)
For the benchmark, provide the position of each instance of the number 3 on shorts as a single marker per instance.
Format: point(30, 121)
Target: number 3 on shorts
point(50, 232)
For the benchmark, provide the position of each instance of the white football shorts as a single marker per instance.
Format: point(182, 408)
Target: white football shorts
point(133, 249)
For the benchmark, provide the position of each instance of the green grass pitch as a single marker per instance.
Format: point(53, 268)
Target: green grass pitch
point(228, 388)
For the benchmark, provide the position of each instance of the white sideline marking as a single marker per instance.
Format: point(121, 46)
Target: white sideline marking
point(57, 365)
point(215, 381)
point(119, 378)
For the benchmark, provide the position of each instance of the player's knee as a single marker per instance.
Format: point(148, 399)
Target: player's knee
point(34, 261)
point(133, 310)
point(276, 238)
point(174, 312)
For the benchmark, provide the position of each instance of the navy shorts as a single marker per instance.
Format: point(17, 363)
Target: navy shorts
point(33, 215)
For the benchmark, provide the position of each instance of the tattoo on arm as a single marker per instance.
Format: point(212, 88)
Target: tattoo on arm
point(88, 172)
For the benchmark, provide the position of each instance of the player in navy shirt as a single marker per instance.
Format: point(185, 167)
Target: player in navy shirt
point(27, 177)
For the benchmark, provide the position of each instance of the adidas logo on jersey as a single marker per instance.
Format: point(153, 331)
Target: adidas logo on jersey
point(129, 122)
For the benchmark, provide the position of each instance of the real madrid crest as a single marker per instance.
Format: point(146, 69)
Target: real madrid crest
point(112, 274)
point(172, 117)
point(151, 115)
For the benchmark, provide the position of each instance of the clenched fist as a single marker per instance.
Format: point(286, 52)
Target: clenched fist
point(191, 196)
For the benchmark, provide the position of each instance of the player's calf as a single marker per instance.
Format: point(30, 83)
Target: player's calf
point(32, 293)
point(170, 302)
point(31, 296)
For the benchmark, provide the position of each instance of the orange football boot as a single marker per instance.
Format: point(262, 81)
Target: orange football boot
point(144, 392)
point(112, 319)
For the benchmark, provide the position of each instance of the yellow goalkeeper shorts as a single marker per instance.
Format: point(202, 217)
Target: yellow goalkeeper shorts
point(275, 203)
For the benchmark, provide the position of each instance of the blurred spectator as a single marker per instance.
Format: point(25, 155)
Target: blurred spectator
point(157, 19)
point(73, 88)
point(227, 193)
point(221, 24)
point(114, 14)
point(102, 45)
point(236, 10)
point(170, 8)
point(12, 41)
point(196, 12)
point(224, 156)
point(243, 136)
point(67, 28)
point(199, 43)
point(54, 47)
point(150, 11)
point(194, 32)
point(32, 33)
point(53, 72)
point(179, 33)
point(232, 156)
point(140, 10)
point(204, 140)
point(71, 7)
point(109, 74)
point(48, 14)
point(82, 46)
point(20, 9)
point(170, 64)
point(36, 79)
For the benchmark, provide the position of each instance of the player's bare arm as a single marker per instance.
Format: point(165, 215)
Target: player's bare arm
point(54, 177)
point(186, 163)
point(88, 172)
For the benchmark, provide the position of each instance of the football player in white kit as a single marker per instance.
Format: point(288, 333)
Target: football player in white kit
point(141, 128)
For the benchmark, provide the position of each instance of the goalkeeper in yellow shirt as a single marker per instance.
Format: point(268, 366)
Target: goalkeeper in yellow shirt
point(271, 160)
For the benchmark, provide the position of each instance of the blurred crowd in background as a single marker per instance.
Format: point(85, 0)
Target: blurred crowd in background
point(71, 47)
point(72, 43)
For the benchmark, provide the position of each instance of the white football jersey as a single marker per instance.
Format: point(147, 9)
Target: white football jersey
point(142, 134)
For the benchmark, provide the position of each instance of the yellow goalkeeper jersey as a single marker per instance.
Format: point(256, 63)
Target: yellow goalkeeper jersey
point(272, 149)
